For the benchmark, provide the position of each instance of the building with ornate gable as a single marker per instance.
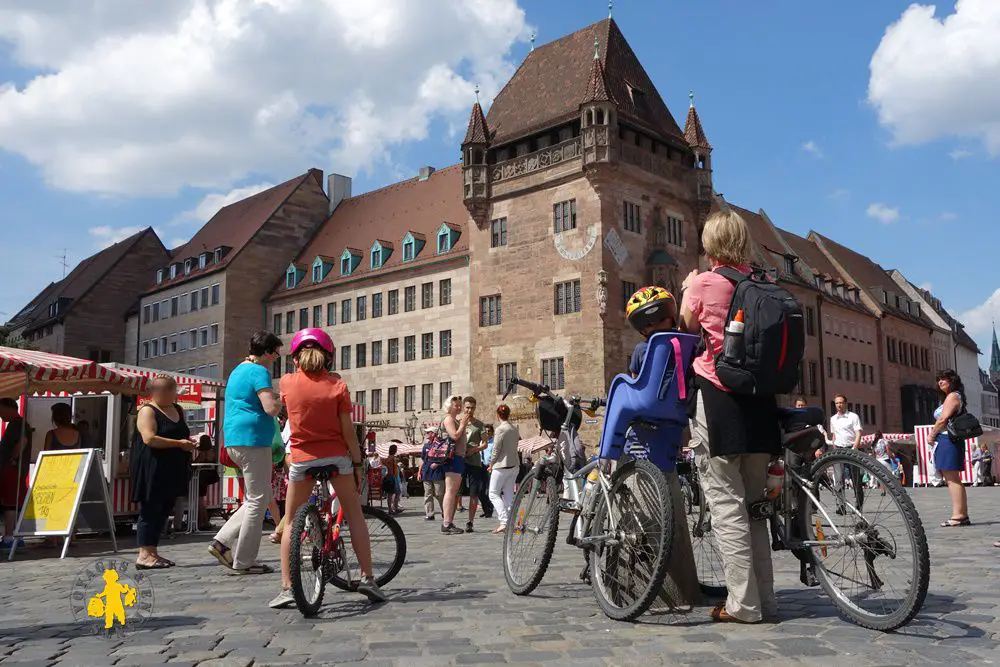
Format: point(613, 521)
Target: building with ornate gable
point(581, 187)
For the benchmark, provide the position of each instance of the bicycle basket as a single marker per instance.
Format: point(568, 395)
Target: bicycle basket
point(552, 414)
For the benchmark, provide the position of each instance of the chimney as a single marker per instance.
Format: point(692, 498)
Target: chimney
point(425, 173)
point(339, 188)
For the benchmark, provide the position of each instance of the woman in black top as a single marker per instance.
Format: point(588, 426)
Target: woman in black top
point(159, 465)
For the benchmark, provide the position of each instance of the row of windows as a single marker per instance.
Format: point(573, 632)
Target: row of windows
point(358, 356)
point(865, 412)
point(845, 329)
point(566, 300)
point(180, 342)
point(852, 371)
point(907, 354)
point(207, 371)
point(358, 307)
point(182, 304)
point(808, 379)
point(564, 218)
point(188, 265)
point(378, 255)
point(409, 398)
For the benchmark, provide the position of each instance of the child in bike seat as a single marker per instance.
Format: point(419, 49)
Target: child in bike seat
point(322, 435)
point(650, 310)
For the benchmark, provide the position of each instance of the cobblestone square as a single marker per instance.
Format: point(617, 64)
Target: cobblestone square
point(451, 606)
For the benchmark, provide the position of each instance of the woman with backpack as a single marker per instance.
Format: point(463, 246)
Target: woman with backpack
point(733, 435)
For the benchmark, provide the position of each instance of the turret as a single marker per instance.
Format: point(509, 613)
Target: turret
point(598, 116)
point(475, 172)
point(694, 134)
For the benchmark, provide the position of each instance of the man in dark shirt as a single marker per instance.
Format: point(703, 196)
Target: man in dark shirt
point(14, 466)
point(475, 473)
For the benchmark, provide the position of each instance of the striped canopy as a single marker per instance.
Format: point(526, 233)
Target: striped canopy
point(534, 444)
point(869, 439)
point(33, 371)
point(402, 449)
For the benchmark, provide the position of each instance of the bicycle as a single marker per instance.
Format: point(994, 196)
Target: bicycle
point(323, 551)
point(707, 556)
point(825, 546)
point(622, 520)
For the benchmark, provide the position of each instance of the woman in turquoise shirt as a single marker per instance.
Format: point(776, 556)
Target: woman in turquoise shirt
point(248, 429)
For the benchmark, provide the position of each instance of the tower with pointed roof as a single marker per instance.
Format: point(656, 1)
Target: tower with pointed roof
point(475, 173)
point(995, 356)
point(694, 135)
point(598, 124)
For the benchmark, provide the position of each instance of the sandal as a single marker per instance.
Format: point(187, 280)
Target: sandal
point(254, 569)
point(499, 530)
point(158, 564)
point(169, 562)
point(222, 553)
point(953, 523)
point(720, 615)
point(275, 538)
point(997, 545)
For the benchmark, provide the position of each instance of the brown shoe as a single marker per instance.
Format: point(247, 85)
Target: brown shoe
point(720, 615)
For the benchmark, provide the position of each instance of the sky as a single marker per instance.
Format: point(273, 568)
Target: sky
point(874, 123)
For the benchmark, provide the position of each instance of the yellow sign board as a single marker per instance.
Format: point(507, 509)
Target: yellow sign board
point(53, 493)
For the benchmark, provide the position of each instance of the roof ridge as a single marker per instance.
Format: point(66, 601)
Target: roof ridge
point(397, 184)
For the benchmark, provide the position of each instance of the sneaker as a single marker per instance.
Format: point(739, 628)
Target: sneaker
point(468, 527)
point(452, 529)
point(429, 518)
point(370, 589)
point(282, 600)
point(461, 509)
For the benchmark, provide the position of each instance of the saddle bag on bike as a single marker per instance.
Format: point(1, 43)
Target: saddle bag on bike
point(440, 446)
point(764, 337)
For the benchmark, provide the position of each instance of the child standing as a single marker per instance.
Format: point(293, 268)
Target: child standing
point(650, 310)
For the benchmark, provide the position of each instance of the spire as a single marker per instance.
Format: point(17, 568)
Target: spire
point(610, 6)
point(597, 85)
point(694, 134)
point(995, 354)
point(477, 132)
point(532, 40)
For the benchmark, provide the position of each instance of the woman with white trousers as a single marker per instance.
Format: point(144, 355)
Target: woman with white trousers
point(503, 466)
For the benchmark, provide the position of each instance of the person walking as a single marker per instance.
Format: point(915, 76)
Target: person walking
point(949, 454)
point(390, 481)
point(159, 464)
point(475, 476)
point(431, 474)
point(503, 466)
point(734, 436)
point(455, 427)
point(248, 429)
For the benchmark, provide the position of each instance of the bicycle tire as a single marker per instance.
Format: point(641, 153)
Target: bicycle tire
point(307, 606)
point(385, 568)
point(702, 542)
point(920, 574)
point(662, 513)
point(548, 528)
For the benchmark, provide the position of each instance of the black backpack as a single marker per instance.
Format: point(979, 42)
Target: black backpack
point(773, 339)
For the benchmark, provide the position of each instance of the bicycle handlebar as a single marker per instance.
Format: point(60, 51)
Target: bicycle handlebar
point(536, 389)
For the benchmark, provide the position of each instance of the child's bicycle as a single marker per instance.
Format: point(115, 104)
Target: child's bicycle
point(320, 550)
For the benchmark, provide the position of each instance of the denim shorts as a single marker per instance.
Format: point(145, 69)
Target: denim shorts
point(455, 465)
point(297, 471)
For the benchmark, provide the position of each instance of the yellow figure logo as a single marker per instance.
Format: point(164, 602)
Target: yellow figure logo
point(111, 602)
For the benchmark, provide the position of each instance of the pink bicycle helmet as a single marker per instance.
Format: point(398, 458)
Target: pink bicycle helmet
point(315, 336)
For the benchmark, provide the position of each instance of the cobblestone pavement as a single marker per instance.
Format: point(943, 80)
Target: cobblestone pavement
point(450, 606)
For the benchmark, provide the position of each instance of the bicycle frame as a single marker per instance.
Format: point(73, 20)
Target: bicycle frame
point(327, 501)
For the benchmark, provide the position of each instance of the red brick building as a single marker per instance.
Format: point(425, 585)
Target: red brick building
point(582, 188)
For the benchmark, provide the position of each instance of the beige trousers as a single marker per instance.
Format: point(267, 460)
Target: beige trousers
point(730, 482)
point(433, 490)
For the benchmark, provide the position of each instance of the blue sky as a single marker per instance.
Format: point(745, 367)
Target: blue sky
point(783, 94)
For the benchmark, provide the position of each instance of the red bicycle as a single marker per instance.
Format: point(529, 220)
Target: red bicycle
point(322, 553)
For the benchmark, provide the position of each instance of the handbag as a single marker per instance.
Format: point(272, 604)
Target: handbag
point(964, 426)
point(440, 446)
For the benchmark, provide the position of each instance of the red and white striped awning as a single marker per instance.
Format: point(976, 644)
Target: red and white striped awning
point(534, 444)
point(358, 414)
point(153, 372)
point(402, 449)
point(34, 371)
point(869, 439)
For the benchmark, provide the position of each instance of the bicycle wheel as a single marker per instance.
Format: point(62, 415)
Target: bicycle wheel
point(530, 534)
point(874, 563)
point(707, 557)
point(388, 547)
point(629, 560)
point(306, 560)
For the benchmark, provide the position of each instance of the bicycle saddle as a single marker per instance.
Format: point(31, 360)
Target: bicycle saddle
point(323, 473)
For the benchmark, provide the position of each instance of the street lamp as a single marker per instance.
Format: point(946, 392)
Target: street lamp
point(411, 428)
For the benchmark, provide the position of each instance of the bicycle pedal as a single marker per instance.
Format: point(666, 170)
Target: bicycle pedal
point(760, 510)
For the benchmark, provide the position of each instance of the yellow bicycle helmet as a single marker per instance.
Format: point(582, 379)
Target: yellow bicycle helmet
point(650, 305)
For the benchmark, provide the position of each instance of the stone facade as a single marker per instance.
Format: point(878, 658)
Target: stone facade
point(378, 373)
point(851, 363)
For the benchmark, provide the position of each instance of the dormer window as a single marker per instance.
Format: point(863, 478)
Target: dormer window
point(408, 251)
point(173, 271)
point(188, 265)
point(349, 261)
point(789, 265)
point(317, 270)
point(203, 260)
point(293, 275)
point(217, 255)
point(446, 237)
point(53, 309)
point(916, 309)
point(412, 245)
point(379, 254)
point(885, 297)
point(159, 276)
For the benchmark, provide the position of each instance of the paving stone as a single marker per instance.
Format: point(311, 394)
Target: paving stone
point(479, 659)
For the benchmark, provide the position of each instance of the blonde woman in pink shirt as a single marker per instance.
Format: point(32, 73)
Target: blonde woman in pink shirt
point(733, 436)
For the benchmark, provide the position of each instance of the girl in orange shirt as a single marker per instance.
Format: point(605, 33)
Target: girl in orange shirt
point(322, 434)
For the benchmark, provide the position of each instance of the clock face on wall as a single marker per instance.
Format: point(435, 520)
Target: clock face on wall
point(578, 246)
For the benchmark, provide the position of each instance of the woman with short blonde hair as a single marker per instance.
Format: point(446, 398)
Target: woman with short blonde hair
point(726, 239)
point(454, 425)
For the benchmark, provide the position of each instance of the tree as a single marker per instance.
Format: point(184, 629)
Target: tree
point(9, 339)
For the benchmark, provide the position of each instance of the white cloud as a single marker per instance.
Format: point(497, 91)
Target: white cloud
point(204, 93)
point(211, 203)
point(105, 236)
point(882, 213)
point(959, 154)
point(979, 320)
point(936, 77)
point(839, 193)
point(813, 149)
point(948, 216)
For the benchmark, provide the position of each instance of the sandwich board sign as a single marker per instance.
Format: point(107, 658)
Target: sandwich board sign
point(67, 493)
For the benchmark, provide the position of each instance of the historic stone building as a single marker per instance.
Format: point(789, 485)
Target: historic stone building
point(82, 314)
point(582, 188)
point(387, 276)
point(203, 302)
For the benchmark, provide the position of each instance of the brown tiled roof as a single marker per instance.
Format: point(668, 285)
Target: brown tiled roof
point(869, 275)
point(78, 283)
point(764, 235)
point(477, 133)
point(811, 256)
point(550, 84)
point(693, 132)
point(961, 336)
point(387, 214)
point(233, 227)
point(597, 86)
